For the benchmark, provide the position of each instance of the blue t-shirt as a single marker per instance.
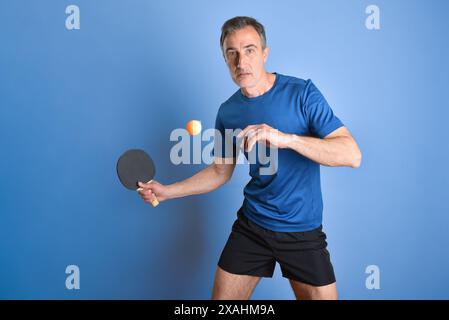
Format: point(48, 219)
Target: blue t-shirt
point(289, 200)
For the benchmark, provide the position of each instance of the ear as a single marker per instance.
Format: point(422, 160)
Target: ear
point(265, 54)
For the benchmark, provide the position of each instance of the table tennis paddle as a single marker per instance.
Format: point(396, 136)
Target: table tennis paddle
point(133, 166)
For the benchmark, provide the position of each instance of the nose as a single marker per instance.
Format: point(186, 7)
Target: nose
point(240, 61)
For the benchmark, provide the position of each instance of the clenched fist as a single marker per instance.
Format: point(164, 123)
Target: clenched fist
point(153, 192)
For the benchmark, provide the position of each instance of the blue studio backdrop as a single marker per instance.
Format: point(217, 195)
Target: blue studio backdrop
point(73, 99)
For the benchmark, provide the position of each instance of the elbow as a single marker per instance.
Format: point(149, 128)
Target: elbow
point(225, 179)
point(222, 176)
point(356, 160)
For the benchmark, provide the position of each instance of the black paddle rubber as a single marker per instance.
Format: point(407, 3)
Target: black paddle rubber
point(133, 166)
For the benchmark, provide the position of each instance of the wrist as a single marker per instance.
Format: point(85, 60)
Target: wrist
point(172, 191)
point(289, 139)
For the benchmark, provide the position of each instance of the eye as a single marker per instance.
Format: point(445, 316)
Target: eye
point(231, 53)
point(250, 50)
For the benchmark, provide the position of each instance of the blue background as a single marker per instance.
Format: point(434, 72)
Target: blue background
point(72, 101)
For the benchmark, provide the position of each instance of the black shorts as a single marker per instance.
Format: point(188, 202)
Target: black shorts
point(254, 250)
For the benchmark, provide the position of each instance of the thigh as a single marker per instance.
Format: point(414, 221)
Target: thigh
point(247, 251)
point(305, 291)
point(303, 257)
point(229, 286)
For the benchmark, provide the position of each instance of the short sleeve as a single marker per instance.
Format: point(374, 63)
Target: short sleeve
point(320, 117)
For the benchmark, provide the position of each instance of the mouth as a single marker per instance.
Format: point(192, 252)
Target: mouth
point(244, 74)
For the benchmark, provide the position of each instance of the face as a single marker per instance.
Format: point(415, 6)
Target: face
point(245, 57)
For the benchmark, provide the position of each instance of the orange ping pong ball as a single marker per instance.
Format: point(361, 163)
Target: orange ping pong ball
point(193, 127)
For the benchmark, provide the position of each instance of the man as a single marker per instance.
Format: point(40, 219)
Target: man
point(280, 219)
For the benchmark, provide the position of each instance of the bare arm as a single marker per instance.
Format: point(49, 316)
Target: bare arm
point(336, 149)
point(206, 180)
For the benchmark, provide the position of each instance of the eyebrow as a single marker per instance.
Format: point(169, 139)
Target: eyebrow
point(245, 47)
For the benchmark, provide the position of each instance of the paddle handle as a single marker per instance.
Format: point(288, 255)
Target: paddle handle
point(154, 202)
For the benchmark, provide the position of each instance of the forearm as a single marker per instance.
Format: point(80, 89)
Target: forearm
point(204, 181)
point(336, 151)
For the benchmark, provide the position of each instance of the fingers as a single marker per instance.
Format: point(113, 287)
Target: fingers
point(148, 196)
point(254, 137)
point(143, 185)
point(252, 127)
point(244, 131)
point(251, 134)
point(152, 199)
point(146, 192)
point(150, 185)
point(263, 133)
point(244, 134)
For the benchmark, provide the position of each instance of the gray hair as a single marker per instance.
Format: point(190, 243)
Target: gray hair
point(241, 22)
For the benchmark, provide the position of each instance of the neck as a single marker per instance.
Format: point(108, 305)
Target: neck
point(263, 85)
